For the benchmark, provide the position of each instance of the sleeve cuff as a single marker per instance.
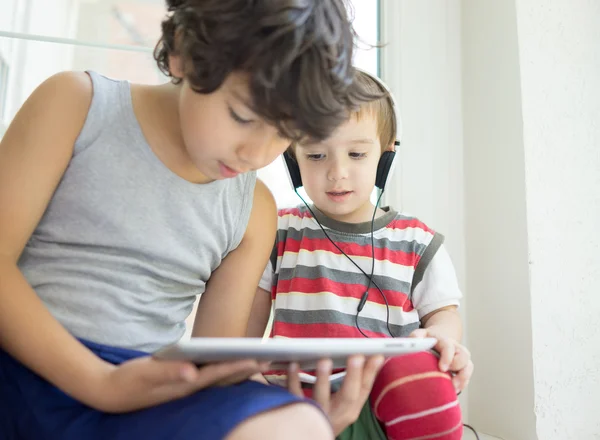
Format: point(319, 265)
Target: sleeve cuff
point(433, 307)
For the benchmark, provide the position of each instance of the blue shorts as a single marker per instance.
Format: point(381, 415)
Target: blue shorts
point(32, 408)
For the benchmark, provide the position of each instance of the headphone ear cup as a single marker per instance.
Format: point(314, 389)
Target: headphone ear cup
point(383, 168)
point(293, 170)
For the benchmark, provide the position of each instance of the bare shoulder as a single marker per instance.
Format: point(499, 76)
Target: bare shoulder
point(263, 196)
point(58, 106)
point(263, 218)
point(70, 78)
point(65, 89)
point(36, 150)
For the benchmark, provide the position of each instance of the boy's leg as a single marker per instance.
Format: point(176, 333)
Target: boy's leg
point(412, 398)
point(297, 421)
point(41, 411)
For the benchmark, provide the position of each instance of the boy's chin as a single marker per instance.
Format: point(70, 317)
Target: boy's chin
point(351, 214)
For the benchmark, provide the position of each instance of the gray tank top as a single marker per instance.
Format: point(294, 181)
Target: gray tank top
point(126, 245)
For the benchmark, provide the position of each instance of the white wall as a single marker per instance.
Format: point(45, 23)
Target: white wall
point(422, 65)
point(499, 317)
point(560, 78)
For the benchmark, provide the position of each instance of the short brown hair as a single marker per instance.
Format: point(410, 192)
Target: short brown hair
point(382, 109)
point(297, 54)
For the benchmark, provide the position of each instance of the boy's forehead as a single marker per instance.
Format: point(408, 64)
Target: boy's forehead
point(362, 128)
point(238, 80)
point(238, 85)
point(359, 137)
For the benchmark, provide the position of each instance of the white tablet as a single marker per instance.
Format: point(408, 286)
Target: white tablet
point(281, 351)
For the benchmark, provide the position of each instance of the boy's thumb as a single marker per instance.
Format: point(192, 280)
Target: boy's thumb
point(173, 371)
point(188, 372)
point(419, 333)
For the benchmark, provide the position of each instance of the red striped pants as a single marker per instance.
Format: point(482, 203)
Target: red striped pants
point(413, 399)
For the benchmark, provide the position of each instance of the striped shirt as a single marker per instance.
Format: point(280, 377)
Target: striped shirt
point(316, 289)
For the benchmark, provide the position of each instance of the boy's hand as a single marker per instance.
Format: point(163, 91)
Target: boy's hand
point(344, 406)
point(454, 357)
point(145, 382)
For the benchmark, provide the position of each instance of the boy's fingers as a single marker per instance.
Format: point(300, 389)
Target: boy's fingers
point(353, 381)
point(462, 378)
point(460, 360)
point(419, 333)
point(293, 380)
point(157, 373)
point(447, 351)
point(214, 373)
point(355, 389)
point(371, 371)
point(166, 380)
point(236, 378)
point(322, 388)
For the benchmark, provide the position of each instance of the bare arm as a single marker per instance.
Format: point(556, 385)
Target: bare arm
point(445, 321)
point(225, 306)
point(34, 154)
point(261, 311)
point(445, 325)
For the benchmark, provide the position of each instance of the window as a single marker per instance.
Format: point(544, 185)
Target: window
point(3, 91)
point(8, 19)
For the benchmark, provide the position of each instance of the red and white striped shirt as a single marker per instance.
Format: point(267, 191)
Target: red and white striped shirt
point(316, 289)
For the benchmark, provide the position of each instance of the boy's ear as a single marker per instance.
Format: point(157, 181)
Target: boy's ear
point(176, 61)
point(176, 67)
point(392, 146)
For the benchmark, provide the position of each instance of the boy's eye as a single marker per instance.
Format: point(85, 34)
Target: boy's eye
point(238, 118)
point(358, 155)
point(315, 156)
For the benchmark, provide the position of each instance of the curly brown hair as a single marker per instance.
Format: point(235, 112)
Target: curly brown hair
point(297, 55)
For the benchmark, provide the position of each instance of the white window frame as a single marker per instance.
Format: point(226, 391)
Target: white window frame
point(4, 75)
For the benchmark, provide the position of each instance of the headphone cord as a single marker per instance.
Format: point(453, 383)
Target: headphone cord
point(472, 429)
point(365, 295)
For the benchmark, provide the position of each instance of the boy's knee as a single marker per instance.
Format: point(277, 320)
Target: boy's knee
point(414, 365)
point(297, 421)
point(412, 393)
point(404, 378)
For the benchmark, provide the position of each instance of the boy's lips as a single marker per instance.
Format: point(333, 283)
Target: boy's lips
point(338, 195)
point(227, 171)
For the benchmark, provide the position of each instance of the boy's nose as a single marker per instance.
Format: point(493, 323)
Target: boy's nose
point(255, 153)
point(337, 171)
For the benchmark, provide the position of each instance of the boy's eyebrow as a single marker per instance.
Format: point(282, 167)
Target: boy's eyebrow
point(244, 100)
point(362, 141)
point(358, 141)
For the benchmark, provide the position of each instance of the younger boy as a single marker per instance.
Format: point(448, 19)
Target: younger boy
point(344, 268)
